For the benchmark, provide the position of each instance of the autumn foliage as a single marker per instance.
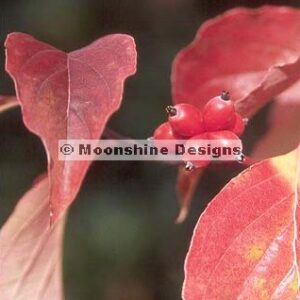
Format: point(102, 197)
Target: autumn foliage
point(62, 96)
point(246, 243)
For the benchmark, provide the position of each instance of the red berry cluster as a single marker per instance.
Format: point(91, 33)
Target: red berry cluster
point(218, 121)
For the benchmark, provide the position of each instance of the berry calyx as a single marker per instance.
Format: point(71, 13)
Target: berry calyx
point(225, 95)
point(241, 158)
point(189, 166)
point(239, 125)
point(185, 119)
point(219, 113)
point(171, 110)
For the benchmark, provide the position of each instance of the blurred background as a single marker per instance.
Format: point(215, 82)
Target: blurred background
point(121, 242)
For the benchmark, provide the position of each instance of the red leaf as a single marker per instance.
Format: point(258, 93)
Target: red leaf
point(30, 251)
point(249, 53)
point(283, 133)
point(7, 102)
point(68, 96)
point(253, 53)
point(245, 245)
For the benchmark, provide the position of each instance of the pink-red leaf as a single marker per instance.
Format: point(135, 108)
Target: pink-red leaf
point(31, 251)
point(68, 96)
point(245, 245)
point(253, 53)
point(283, 132)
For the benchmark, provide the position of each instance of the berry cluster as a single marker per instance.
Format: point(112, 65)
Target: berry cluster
point(218, 121)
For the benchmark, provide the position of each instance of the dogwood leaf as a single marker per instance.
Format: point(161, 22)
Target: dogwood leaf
point(68, 96)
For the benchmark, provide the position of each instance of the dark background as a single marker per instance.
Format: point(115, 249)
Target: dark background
point(121, 242)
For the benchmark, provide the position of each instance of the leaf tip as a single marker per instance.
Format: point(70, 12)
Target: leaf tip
point(183, 213)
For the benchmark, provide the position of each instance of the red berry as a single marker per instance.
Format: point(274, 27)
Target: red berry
point(224, 137)
point(229, 140)
point(238, 126)
point(165, 132)
point(219, 113)
point(194, 142)
point(223, 134)
point(185, 119)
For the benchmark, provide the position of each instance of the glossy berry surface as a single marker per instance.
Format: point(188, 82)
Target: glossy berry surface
point(219, 113)
point(238, 127)
point(224, 137)
point(195, 142)
point(185, 119)
point(227, 139)
point(165, 132)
